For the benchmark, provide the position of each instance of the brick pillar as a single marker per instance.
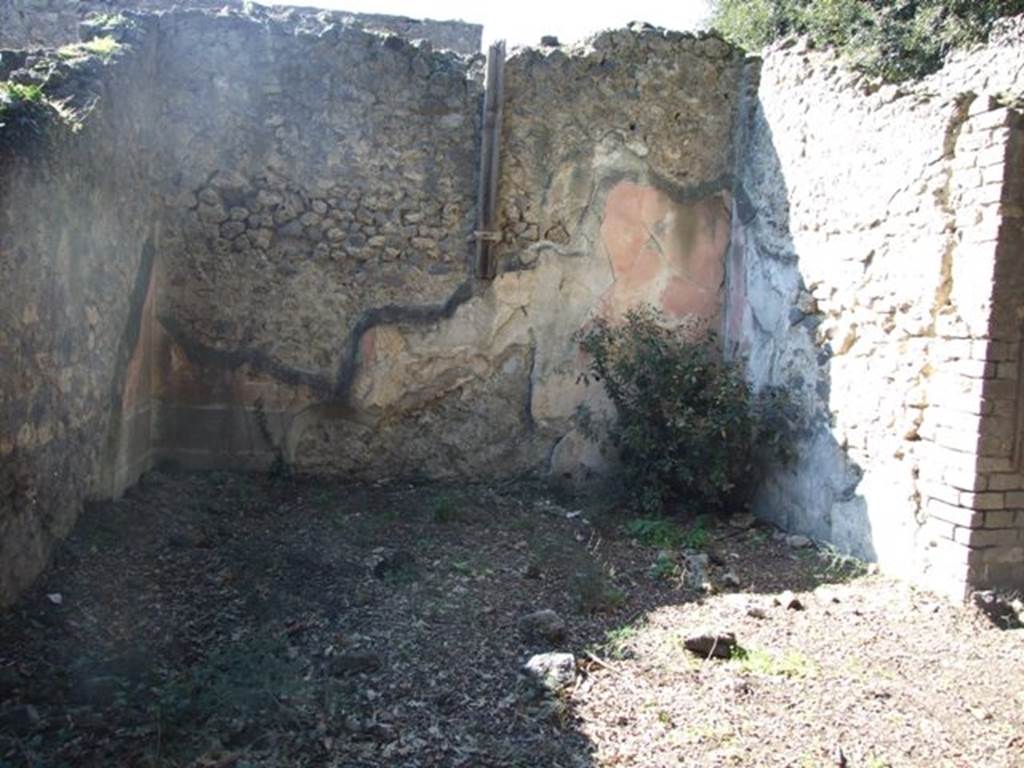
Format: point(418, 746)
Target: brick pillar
point(972, 486)
point(1000, 537)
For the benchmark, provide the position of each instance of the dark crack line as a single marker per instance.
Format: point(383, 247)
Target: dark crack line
point(334, 391)
point(234, 358)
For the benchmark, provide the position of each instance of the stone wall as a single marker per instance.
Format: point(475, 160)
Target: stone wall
point(48, 23)
point(856, 281)
point(309, 202)
point(257, 248)
point(484, 382)
point(78, 238)
point(292, 234)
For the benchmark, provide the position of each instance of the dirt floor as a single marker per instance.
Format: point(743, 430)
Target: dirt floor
point(233, 621)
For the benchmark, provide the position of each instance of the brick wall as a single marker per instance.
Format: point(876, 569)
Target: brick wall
point(971, 481)
point(976, 508)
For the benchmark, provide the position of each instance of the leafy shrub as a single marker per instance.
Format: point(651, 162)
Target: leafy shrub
point(892, 39)
point(686, 420)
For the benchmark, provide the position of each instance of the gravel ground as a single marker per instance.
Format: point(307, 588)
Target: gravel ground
point(238, 620)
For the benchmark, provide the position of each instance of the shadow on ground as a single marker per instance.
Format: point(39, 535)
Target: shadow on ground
point(239, 620)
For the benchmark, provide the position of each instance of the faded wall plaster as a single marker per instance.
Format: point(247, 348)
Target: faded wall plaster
point(78, 238)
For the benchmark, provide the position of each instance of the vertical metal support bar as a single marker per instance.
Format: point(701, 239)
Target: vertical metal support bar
point(486, 234)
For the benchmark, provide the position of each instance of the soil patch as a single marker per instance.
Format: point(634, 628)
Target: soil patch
point(237, 620)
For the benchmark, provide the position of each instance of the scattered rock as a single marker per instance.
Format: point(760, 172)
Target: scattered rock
point(789, 601)
point(797, 541)
point(394, 564)
point(532, 571)
point(56, 598)
point(696, 564)
point(742, 521)
point(825, 595)
point(544, 625)
point(1018, 607)
point(757, 612)
point(354, 663)
point(551, 671)
point(711, 644)
point(997, 608)
point(730, 579)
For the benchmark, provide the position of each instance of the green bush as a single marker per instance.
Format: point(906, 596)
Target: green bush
point(686, 420)
point(891, 39)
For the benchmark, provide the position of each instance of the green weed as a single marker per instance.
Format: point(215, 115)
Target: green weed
point(757, 661)
point(20, 92)
point(665, 567)
point(444, 509)
point(103, 47)
point(323, 498)
point(838, 566)
point(696, 536)
point(655, 532)
point(758, 537)
point(107, 20)
point(595, 593)
point(617, 641)
point(659, 532)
